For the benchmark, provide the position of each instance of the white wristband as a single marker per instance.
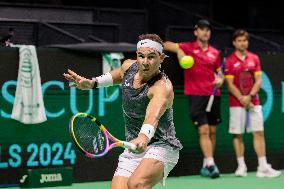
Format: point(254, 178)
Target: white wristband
point(104, 80)
point(148, 130)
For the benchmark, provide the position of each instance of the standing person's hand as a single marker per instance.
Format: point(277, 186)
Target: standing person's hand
point(218, 82)
point(250, 105)
point(245, 101)
point(79, 81)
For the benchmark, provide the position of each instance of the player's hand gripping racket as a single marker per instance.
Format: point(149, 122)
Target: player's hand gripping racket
point(92, 138)
point(246, 82)
point(211, 98)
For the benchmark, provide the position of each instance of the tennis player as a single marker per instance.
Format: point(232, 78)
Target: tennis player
point(147, 98)
point(237, 62)
point(199, 82)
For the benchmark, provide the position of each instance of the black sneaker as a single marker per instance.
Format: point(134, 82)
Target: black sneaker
point(213, 171)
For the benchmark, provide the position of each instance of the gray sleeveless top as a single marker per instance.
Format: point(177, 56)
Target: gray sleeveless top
point(134, 104)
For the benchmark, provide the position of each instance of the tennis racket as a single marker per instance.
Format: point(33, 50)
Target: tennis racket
point(92, 138)
point(246, 82)
point(211, 98)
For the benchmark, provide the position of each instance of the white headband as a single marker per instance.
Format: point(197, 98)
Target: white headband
point(151, 44)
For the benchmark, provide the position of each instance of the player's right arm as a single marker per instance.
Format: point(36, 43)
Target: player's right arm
point(174, 47)
point(257, 78)
point(114, 77)
point(232, 87)
point(126, 64)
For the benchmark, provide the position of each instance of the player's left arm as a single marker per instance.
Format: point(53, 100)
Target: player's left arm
point(257, 85)
point(220, 78)
point(257, 78)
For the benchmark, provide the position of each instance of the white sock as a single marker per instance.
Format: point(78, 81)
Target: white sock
point(204, 162)
point(241, 161)
point(209, 161)
point(262, 162)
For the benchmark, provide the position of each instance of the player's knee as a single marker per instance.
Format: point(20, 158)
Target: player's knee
point(258, 134)
point(136, 183)
point(213, 133)
point(203, 130)
point(238, 137)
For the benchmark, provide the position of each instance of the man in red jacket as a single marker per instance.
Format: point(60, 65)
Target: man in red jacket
point(199, 81)
point(239, 61)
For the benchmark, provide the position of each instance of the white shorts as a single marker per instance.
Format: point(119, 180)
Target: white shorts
point(238, 117)
point(128, 161)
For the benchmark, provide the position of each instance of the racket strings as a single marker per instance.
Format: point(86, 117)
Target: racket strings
point(89, 135)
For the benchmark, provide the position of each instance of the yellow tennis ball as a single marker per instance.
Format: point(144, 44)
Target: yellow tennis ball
point(186, 62)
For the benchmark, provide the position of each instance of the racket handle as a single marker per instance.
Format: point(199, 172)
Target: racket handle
point(247, 119)
point(129, 145)
point(211, 100)
point(210, 103)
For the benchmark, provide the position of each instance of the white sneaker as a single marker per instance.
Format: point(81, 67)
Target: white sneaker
point(267, 171)
point(241, 171)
